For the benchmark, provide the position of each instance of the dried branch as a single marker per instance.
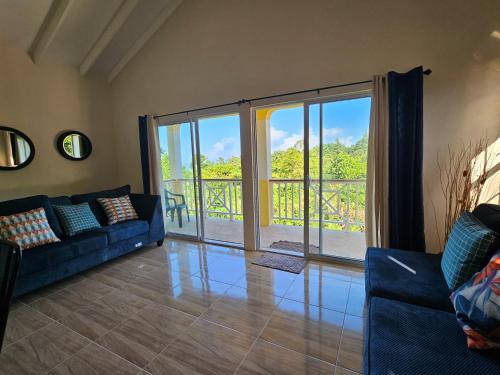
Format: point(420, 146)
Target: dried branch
point(462, 177)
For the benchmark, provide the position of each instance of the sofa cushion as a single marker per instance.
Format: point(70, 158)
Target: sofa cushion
point(28, 229)
point(385, 278)
point(16, 206)
point(62, 200)
point(406, 339)
point(465, 250)
point(125, 230)
point(76, 218)
point(489, 215)
point(91, 198)
point(118, 209)
point(43, 257)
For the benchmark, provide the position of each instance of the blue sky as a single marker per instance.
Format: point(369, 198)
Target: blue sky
point(345, 120)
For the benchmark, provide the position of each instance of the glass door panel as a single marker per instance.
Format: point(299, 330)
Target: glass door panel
point(279, 132)
point(338, 149)
point(177, 153)
point(220, 178)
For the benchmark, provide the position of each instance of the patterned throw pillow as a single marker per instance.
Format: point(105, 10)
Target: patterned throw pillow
point(477, 305)
point(27, 229)
point(465, 250)
point(118, 209)
point(76, 218)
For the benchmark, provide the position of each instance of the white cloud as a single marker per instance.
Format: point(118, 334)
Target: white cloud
point(347, 141)
point(277, 134)
point(219, 148)
point(330, 134)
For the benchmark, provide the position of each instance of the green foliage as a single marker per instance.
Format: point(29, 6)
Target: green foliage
point(340, 162)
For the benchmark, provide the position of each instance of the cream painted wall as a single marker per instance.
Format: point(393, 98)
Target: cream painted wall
point(42, 100)
point(211, 52)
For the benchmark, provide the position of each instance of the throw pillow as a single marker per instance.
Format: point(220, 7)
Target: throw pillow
point(118, 209)
point(477, 305)
point(465, 250)
point(76, 218)
point(28, 229)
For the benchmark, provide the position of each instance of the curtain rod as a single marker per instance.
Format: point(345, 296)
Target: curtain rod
point(242, 101)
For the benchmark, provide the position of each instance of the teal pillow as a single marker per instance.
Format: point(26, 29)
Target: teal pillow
point(76, 218)
point(465, 250)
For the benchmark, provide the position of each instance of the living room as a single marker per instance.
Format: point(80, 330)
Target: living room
point(209, 175)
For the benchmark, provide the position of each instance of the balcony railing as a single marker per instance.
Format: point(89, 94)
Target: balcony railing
point(341, 203)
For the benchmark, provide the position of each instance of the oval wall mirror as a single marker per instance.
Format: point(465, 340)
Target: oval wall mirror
point(16, 149)
point(74, 145)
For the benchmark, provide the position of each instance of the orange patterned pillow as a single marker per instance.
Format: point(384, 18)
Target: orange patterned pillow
point(118, 209)
point(27, 229)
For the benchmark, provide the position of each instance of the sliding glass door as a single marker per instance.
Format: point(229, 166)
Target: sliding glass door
point(179, 170)
point(220, 178)
point(201, 169)
point(336, 153)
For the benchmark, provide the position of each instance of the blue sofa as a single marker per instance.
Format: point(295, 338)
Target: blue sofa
point(46, 264)
point(410, 324)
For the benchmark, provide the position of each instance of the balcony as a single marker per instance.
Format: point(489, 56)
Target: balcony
point(281, 214)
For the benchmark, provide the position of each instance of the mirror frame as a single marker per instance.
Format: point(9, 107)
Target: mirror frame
point(30, 143)
point(62, 151)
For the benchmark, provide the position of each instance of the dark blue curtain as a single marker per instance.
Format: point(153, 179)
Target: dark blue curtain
point(406, 211)
point(143, 142)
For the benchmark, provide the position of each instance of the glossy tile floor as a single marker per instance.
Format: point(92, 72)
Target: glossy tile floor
point(188, 308)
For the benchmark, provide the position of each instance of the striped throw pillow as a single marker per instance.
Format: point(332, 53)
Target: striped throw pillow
point(118, 209)
point(28, 229)
point(465, 250)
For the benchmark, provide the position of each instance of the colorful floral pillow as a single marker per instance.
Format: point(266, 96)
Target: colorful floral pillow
point(477, 306)
point(118, 209)
point(27, 229)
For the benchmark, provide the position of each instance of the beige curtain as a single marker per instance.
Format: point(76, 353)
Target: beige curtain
point(155, 174)
point(377, 179)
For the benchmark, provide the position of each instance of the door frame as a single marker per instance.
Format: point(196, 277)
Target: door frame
point(307, 99)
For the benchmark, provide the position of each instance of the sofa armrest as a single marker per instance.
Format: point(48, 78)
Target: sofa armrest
point(148, 207)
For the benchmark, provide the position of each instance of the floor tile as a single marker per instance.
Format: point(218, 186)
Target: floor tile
point(205, 348)
point(97, 318)
point(319, 270)
point(41, 351)
point(142, 337)
point(23, 320)
point(112, 277)
point(342, 371)
point(268, 280)
point(306, 329)
point(193, 295)
point(95, 360)
point(225, 271)
point(135, 266)
point(50, 289)
point(153, 285)
point(356, 301)
point(244, 310)
point(267, 358)
point(351, 346)
point(326, 292)
point(91, 289)
point(64, 302)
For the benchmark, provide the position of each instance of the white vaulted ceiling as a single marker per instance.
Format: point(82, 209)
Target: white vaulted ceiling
point(92, 35)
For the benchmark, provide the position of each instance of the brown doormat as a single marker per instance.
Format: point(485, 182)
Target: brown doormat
point(288, 263)
point(294, 246)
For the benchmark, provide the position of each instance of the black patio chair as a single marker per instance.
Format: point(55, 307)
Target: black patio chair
point(10, 259)
point(172, 206)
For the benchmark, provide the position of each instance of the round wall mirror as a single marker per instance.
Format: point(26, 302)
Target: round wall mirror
point(16, 149)
point(74, 145)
